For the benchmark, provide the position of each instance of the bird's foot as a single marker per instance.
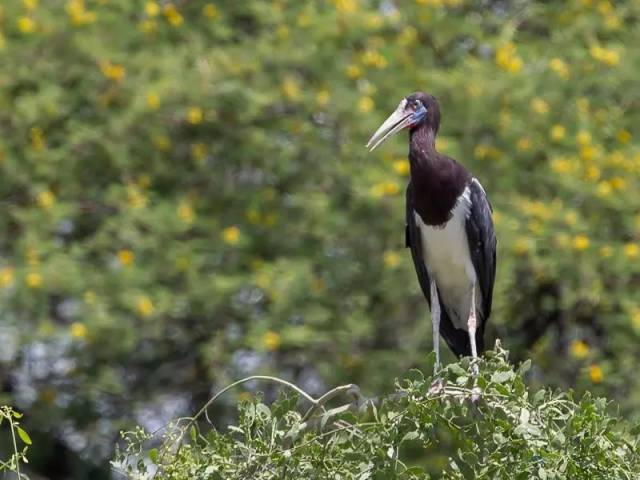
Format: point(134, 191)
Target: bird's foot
point(476, 394)
point(437, 386)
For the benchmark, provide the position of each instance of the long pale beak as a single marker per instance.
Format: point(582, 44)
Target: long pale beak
point(397, 121)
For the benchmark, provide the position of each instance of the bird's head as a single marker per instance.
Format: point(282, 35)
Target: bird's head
point(415, 110)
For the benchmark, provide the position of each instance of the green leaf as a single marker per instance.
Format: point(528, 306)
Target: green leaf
point(524, 416)
point(24, 436)
point(456, 369)
point(502, 377)
point(153, 455)
point(193, 433)
point(524, 367)
point(410, 436)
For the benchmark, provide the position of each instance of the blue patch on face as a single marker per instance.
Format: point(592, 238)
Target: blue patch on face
point(419, 114)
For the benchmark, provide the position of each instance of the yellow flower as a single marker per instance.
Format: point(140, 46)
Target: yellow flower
point(210, 11)
point(271, 340)
point(401, 167)
point(606, 251)
point(562, 165)
point(291, 88)
point(126, 257)
point(382, 189)
point(26, 25)
point(557, 132)
point(623, 136)
point(6, 277)
point(635, 318)
point(365, 104)
point(571, 218)
point(112, 71)
point(153, 101)
point(579, 349)
point(322, 97)
point(346, 7)
point(172, 15)
point(231, 235)
point(606, 56)
point(587, 153)
point(507, 59)
point(631, 250)
point(353, 72)
point(595, 373)
point(33, 280)
point(136, 199)
point(524, 144)
point(408, 36)
point(521, 246)
point(78, 330)
point(147, 26)
point(539, 106)
point(37, 138)
point(603, 189)
point(618, 183)
point(144, 306)
point(195, 115)
point(391, 259)
point(199, 151)
point(152, 9)
point(604, 7)
point(583, 138)
point(143, 181)
point(46, 199)
point(30, 4)
point(481, 151)
point(580, 242)
point(559, 67)
point(373, 58)
point(592, 173)
point(612, 22)
point(78, 13)
point(186, 213)
point(253, 216)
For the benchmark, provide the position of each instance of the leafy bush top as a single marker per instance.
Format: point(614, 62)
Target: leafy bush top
point(502, 429)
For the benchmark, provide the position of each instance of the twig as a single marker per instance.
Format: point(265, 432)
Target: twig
point(350, 389)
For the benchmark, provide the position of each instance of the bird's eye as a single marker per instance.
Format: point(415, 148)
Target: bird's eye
point(417, 104)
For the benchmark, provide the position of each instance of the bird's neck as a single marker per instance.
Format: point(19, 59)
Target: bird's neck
point(423, 155)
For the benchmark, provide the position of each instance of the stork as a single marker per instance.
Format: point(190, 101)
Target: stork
point(449, 230)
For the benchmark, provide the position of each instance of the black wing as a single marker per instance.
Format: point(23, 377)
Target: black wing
point(482, 248)
point(458, 340)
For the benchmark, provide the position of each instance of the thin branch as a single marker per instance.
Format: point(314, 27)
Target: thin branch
point(350, 389)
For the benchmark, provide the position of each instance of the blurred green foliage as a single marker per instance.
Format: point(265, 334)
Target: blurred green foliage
point(187, 198)
point(504, 432)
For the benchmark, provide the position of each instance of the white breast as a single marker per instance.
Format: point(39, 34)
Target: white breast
point(446, 256)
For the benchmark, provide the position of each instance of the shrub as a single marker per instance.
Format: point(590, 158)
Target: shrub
point(503, 431)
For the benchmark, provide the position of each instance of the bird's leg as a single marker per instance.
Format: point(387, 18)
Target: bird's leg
point(437, 385)
point(472, 325)
point(435, 322)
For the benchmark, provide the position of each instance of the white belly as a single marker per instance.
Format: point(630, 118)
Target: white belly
point(446, 256)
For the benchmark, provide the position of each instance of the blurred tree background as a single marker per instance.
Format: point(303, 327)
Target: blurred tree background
point(186, 199)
